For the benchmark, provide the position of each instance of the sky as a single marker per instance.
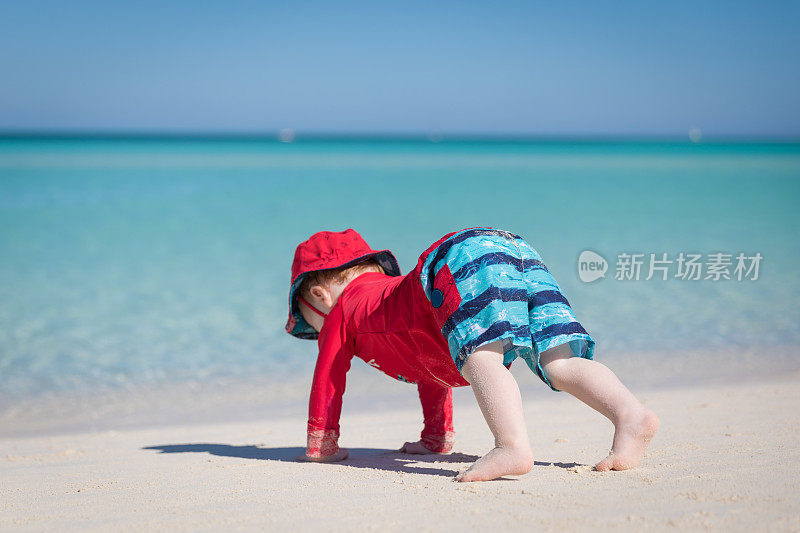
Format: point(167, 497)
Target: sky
point(520, 68)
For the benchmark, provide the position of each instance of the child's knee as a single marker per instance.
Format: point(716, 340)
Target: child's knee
point(480, 362)
point(555, 362)
point(560, 352)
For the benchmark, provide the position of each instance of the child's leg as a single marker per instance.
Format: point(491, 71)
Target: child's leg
point(498, 397)
point(596, 385)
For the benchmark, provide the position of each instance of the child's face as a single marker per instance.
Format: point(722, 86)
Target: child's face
point(323, 298)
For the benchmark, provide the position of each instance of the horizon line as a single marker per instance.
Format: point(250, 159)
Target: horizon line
point(289, 135)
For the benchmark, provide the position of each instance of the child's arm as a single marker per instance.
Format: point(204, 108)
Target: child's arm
point(325, 403)
point(437, 407)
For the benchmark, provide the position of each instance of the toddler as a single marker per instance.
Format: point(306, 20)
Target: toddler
point(477, 299)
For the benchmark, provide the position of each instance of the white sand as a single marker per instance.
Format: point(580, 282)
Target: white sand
point(726, 458)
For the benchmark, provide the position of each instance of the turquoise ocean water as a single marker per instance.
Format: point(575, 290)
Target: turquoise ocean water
point(129, 263)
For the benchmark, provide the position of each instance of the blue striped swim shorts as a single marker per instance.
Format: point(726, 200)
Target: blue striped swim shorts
point(494, 286)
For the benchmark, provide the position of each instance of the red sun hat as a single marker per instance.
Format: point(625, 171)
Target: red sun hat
point(325, 250)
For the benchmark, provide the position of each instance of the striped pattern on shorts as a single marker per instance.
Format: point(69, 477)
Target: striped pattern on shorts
point(506, 293)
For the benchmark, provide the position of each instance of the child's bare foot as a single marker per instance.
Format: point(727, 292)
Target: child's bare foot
point(499, 462)
point(632, 434)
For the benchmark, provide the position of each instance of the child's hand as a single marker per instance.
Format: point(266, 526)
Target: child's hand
point(341, 455)
point(415, 448)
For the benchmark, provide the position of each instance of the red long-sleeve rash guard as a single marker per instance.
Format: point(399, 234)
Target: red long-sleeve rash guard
point(389, 323)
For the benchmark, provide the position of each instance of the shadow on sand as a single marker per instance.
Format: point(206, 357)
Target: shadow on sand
point(379, 458)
